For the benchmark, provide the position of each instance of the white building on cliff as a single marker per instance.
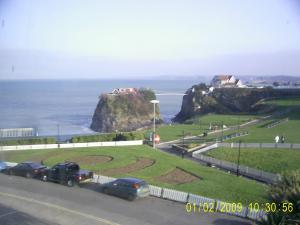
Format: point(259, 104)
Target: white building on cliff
point(117, 91)
point(221, 81)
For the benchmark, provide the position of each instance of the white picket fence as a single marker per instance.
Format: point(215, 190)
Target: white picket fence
point(200, 201)
point(72, 145)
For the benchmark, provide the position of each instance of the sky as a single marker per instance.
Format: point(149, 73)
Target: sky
point(140, 38)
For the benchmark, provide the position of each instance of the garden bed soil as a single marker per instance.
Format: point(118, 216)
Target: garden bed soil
point(140, 164)
point(177, 176)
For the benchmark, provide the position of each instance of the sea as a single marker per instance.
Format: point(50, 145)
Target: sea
point(66, 107)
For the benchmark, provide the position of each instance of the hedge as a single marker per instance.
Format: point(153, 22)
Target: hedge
point(124, 136)
point(32, 141)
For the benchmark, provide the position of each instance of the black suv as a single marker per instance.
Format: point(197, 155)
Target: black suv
point(67, 173)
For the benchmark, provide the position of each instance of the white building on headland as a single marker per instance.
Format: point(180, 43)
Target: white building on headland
point(220, 81)
point(124, 91)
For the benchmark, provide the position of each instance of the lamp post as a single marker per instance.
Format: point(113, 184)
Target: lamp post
point(58, 133)
point(222, 131)
point(153, 136)
point(238, 162)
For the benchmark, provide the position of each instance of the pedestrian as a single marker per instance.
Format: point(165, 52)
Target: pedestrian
point(282, 139)
point(277, 139)
point(182, 154)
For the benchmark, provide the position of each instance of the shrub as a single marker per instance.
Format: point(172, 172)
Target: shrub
point(287, 191)
point(125, 136)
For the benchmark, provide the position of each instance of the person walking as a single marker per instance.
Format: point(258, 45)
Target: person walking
point(277, 139)
point(282, 139)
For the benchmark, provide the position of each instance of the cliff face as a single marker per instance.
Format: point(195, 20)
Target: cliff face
point(199, 100)
point(124, 112)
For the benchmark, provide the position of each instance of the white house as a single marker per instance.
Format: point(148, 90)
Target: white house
point(124, 91)
point(226, 81)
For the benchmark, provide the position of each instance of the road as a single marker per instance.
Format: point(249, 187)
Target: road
point(28, 201)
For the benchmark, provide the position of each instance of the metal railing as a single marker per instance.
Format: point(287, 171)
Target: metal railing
point(243, 170)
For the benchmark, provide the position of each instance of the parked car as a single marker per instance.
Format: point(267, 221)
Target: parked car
point(130, 188)
point(27, 169)
point(68, 173)
point(3, 166)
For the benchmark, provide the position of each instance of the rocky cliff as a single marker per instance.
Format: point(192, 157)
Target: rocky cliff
point(124, 111)
point(199, 100)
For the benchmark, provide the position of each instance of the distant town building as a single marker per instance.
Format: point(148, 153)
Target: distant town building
point(226, 81)
point(124, 91)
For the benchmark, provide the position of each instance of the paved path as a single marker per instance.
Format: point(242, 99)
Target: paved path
point(10, 216)
point(51, 204)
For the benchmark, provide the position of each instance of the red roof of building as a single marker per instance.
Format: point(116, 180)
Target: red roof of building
point(223, 77)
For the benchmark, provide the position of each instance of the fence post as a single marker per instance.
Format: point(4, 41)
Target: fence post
point(246, 212)
point(215, 205)
point(162, 193)
point(187, 198)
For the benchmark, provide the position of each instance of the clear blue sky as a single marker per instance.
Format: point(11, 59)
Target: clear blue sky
point(137, 38)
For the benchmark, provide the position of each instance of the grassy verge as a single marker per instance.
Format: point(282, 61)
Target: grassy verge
point(271, 160)
point(198, 125)
point(214, 183)
point(290, 129)
point(228, 120)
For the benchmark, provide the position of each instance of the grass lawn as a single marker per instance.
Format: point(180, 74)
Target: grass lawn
point(271, 160)
point(198, 125)
point(290, 130)
point(175, 131)
point(214, 183)
point(228, 120)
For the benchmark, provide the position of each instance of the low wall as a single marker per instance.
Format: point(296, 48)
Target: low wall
point(71, 145)
point(206, 148)
point(260, 145)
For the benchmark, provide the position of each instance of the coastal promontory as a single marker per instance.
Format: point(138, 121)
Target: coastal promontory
point(124, 109)
point(201, 99)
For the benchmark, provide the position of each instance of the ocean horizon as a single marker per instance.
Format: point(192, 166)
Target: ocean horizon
point(70, 104)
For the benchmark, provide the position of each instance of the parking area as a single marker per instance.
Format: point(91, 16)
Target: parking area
point(63, 205)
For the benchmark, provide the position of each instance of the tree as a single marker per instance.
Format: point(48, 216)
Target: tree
point(287, 190)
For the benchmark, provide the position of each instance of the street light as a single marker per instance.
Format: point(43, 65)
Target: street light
point(58, 133)
point(153, 136)
point(238, 163)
